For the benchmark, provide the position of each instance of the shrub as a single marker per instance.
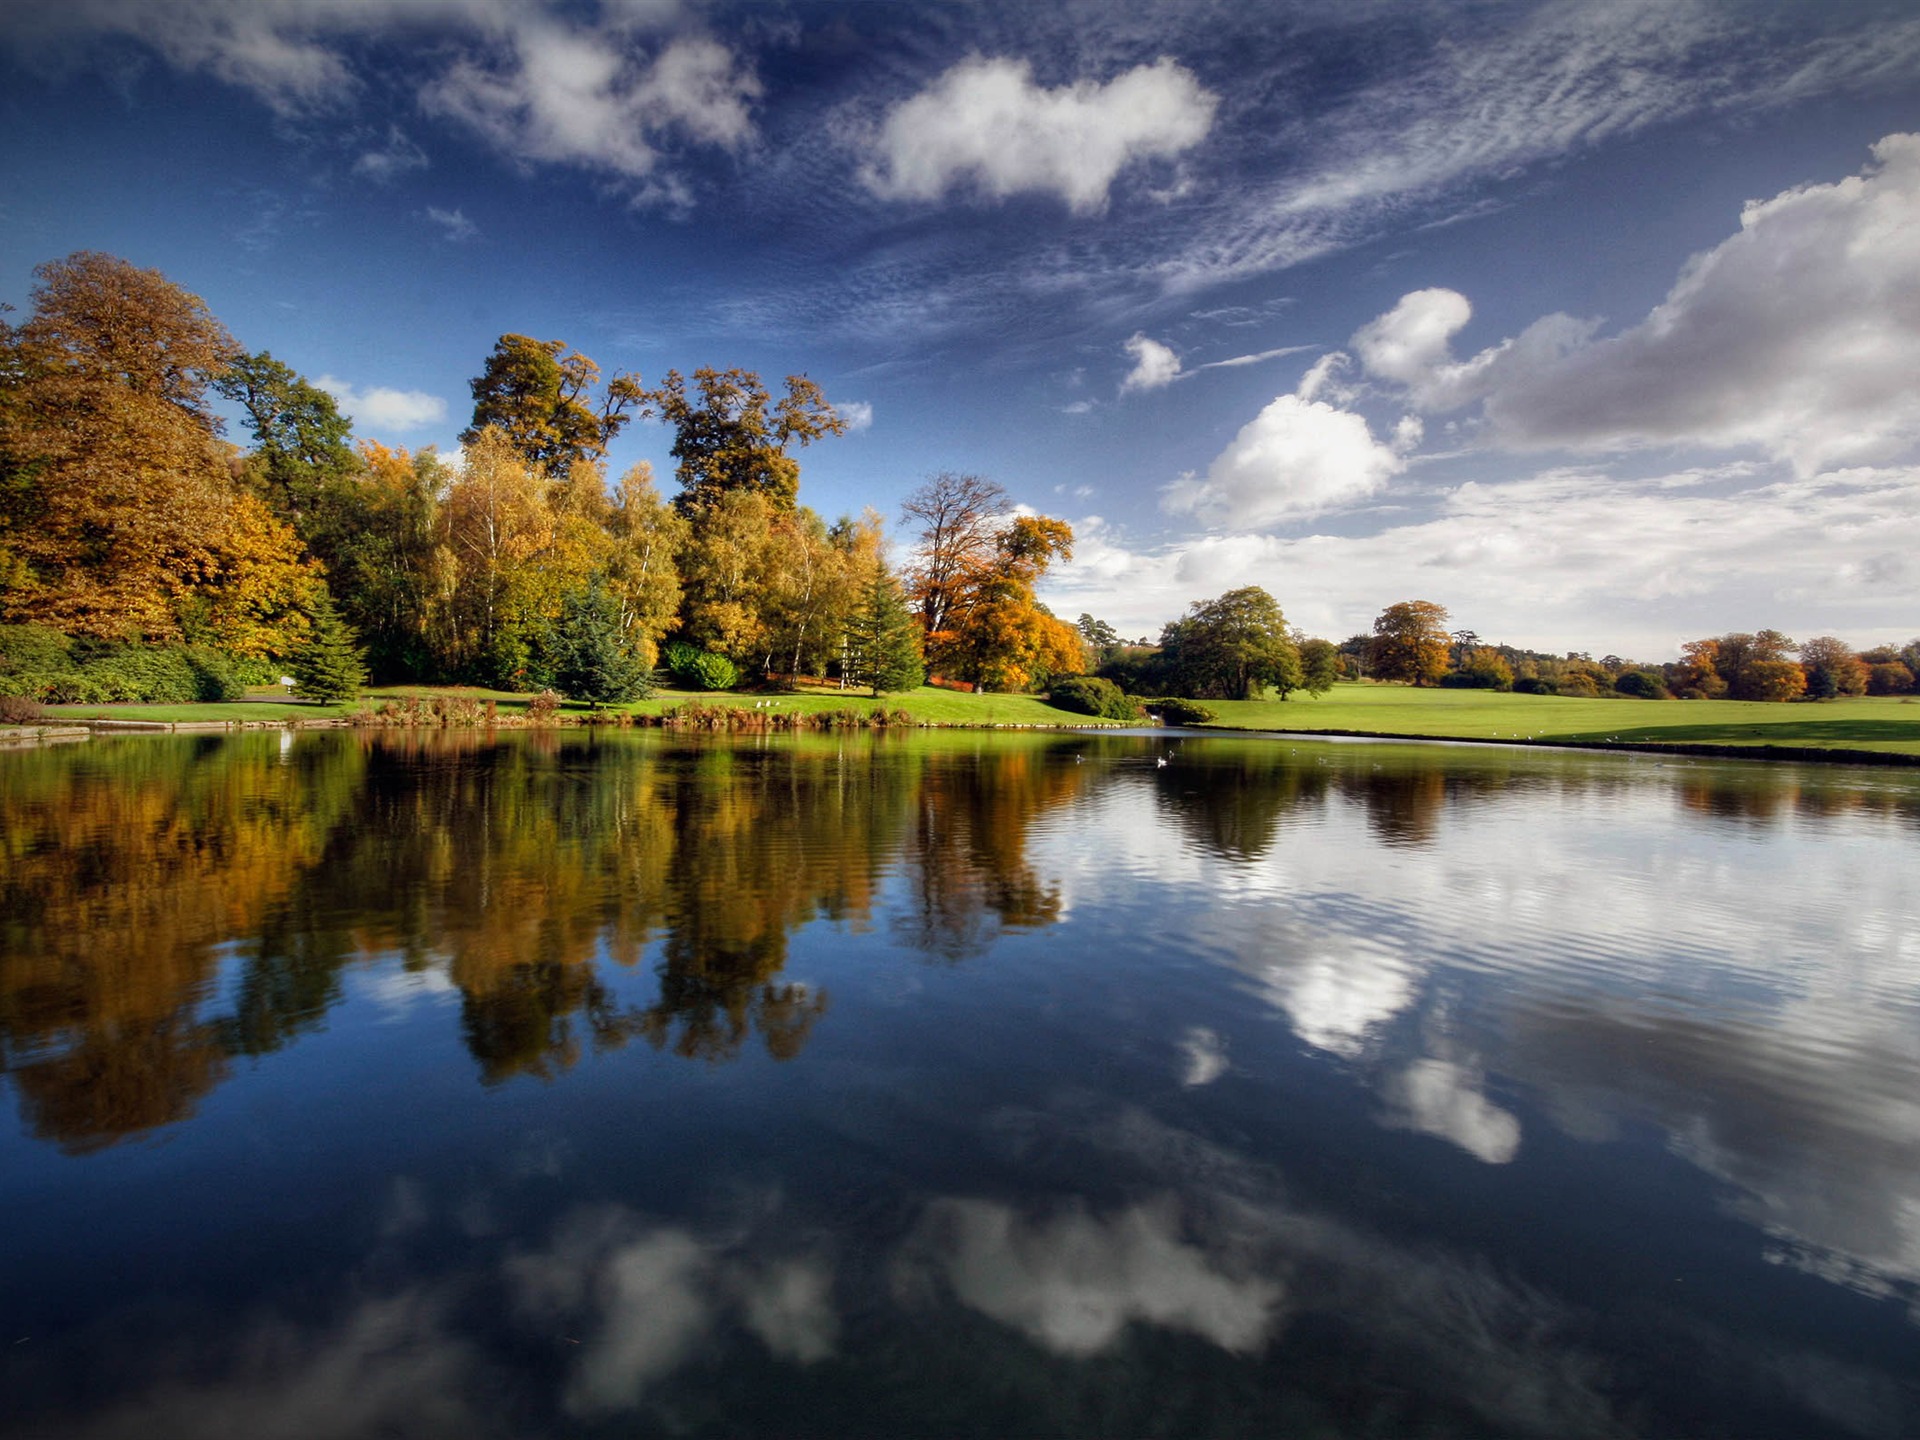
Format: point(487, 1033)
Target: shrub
point(1641, 685)
point(542, 707)
point(19, 710)
point(1090, 695)
point(695, 669)
point(1531, 685)
point(34, 650)
point(216, 675)
point(1175, 711)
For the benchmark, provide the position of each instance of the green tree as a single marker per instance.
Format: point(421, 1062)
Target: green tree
point(882, 638)
point(540, 397)
point(1411, 643)
point(1319, 665)
point(1230, 647)
point(595, 662)
point(329, 666)
point(732, 436)
point(302, 443)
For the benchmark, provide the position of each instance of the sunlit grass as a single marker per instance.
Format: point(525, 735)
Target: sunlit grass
point(1884, 723)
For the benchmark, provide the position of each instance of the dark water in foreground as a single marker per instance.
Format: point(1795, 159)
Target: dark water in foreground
point(964, 1085)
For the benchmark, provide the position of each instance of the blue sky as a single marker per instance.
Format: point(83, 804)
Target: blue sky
point(1598, 323)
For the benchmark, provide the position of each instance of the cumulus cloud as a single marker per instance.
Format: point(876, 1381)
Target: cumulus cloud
point(1798, 336)
point(382, 408)
point(987, 122)
point(571, 96)
point(1300, 456)
point(857, 413)
point(1154, 365)
point(1565, 557)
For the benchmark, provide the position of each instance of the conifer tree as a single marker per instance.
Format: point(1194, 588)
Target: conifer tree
point(595, 662)
point(883, 639)
point(329, 668)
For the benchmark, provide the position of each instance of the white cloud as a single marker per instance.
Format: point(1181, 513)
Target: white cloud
point(1799, 335)
point(1154, 365)
point(1508, 87)
point(457, 227)
point(1205, 1054)
point(1565, 558)
point(385, 409)
point(571, 96)
point(1299, 456)
point(857, 413)
point(987, 122)
point(390, 161)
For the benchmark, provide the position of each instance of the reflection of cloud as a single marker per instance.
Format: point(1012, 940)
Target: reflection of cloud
point(1440, 1098)
point(390, 1368)
point(1335, 997)
point(646, 1297)
point(1073, 1283)
point(1206, 1055)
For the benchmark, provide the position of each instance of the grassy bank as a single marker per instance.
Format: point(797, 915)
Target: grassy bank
point(1886, 725)
point(1890, 726)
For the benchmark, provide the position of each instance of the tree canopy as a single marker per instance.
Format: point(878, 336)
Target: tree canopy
point(1410, 642)
point(540, 396)
point(1230, 647)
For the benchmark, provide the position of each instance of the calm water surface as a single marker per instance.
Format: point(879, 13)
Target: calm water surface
point(953, 1085)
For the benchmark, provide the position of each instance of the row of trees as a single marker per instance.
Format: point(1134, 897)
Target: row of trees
point(125, 516)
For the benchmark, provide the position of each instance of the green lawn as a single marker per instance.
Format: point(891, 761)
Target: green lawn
point(1853, 724)
point(941, 707)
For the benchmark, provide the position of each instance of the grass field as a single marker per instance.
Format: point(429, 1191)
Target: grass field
point(1888, 725)
point(1884, 724)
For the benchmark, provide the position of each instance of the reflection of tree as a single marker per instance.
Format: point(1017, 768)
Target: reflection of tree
point(966, 850)
point(1232, 802)
point(125, 869)
point(1403, 805)
point(166, 905)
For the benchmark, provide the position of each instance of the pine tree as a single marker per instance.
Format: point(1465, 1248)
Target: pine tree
point(883, 639)
point(595, 663)
point(329, 668)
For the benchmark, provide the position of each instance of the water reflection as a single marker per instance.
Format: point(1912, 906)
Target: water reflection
point(956, 1085)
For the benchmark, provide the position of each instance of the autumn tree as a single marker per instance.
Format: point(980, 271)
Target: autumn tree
point(1229, 648)
point(118, 514)
point(1697, 675)
point(642, 567)
point(385, 570)
point(959, 518)
point(541, 397)
point(997, 634)
point(1832, 668)
point(1410, 642)
point(1757, 667)
point(730, 435)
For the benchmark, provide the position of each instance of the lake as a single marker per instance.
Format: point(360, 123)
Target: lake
point(956, 1084)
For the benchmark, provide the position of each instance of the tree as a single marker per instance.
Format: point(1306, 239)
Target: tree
point(643, 571)
point(539, 396)
point(1756, 667)
point(1410, 642)
point(882, 640)
point(594, 661)
point(1697, 675)
point(1319, 665)
point(329, 667)
point(996, 633)
point(959, 518)
point(119, 518)
point(734, 437)
point(1230, 647)
point(1832, 668)
point(302, 443)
